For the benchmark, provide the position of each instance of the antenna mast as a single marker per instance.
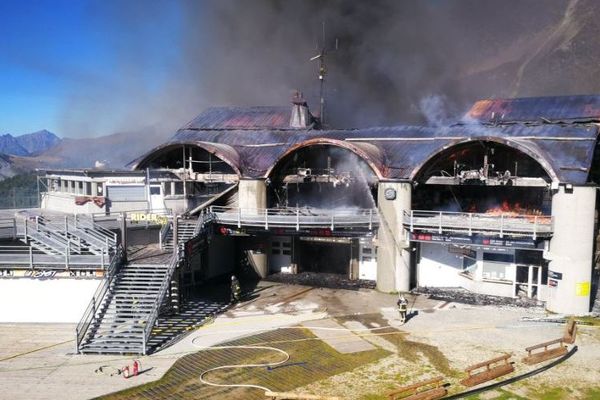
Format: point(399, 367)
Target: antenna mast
point(322, 73)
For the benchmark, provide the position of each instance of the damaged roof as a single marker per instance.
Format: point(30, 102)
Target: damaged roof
point(565, 151)
point(551, 109)
point(258, 117)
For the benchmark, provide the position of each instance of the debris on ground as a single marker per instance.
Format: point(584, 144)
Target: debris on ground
point(460, 295)
point(332, 281)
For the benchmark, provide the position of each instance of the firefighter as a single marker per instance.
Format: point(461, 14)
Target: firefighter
point(402, 308)
point(236, 291)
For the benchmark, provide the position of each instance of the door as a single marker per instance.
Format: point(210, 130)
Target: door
point(157, 202)
point(280, 256)
point(367, 260)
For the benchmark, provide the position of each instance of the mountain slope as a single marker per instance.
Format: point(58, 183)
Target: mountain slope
point(38, 142)
point(10, 145)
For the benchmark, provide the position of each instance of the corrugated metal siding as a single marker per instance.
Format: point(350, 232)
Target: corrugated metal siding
point(126, 193)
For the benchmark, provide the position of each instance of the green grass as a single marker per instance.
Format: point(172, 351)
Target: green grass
point(322, 361)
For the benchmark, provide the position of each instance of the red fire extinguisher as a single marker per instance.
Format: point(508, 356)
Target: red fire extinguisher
point(135, 370)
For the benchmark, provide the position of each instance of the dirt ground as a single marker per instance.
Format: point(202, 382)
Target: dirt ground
point(440, 339)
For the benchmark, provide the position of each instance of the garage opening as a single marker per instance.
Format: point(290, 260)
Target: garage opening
point(325, 256)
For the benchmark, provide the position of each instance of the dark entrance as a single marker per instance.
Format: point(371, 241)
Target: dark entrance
point(331, 257)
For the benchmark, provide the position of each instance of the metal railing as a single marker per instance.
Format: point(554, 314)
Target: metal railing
point(296, 217)
point(469, 223)
point(18, 257)
point(164, 287)
point(205, 217)
point(90, 312)
point(8, 228)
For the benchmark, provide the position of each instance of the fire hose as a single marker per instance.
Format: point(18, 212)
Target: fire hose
point(269, 365)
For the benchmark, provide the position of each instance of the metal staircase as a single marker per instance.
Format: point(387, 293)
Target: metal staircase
point(127, 304)
point(185, 231)
point(123, 311)
point(68, 235)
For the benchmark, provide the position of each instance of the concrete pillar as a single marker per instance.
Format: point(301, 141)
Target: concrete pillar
point(252, 195)
point(393, 253)
point(571, 250)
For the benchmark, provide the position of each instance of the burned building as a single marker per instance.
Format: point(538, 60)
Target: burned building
point(502, 202)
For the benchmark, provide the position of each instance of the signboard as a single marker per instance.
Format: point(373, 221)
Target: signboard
point(552, 283)
point(555, 275)
point(476, 240)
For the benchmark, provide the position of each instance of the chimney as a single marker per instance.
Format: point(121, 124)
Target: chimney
point(301, 117)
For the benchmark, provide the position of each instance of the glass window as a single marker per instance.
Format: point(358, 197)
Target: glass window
point(275, 251)
point(167, 188)
point(286, 253)
point(155, 190)
point(178, 188)
point(498, 257)
point(528, 257)
point(367, 250)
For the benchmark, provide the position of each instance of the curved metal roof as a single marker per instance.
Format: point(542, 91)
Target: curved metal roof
point(565, 151)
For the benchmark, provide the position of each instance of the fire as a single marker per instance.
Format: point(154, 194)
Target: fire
point(515, 210)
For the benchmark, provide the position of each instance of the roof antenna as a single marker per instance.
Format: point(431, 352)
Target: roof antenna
point(322, 72)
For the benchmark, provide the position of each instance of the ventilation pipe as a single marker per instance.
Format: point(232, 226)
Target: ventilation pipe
point(300, 117)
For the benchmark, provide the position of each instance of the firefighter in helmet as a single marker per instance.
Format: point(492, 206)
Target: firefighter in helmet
point(236, 291)
point(402, 308)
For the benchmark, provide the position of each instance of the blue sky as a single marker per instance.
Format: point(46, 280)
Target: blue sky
point(58, 58)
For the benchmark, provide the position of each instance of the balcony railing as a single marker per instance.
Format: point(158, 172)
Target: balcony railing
point(296, 217)
point(470, 223)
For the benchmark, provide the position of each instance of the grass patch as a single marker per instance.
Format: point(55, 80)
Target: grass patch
point(322, 361)
point(407, 349)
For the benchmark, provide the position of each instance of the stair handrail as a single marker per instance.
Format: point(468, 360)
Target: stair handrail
point(153, 316)
point(204, 218)
point(52, 235)
point(90, 311)
point(89, 223)
point(164, 231)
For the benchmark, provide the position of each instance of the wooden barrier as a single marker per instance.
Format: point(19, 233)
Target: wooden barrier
point(420, 390)
point(490, 371)
point(570, 331)
point(534, 358)
point(297, 396)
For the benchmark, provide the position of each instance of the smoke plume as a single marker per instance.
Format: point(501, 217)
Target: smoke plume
point(396, 60)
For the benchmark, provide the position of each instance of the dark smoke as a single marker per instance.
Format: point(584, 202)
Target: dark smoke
point(397, 61)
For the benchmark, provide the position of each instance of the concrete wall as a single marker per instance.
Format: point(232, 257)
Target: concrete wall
point(393, 255)
point(571, 250)
point(440, 268)
point(65, 202)
point(45, 300)
point(252, 194)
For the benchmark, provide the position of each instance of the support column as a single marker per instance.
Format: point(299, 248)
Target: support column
point(123, 229)
point(252, 195)
point(393, 252)
point(571, 250)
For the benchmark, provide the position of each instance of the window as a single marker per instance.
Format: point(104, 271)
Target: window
point(367, 250)
point(155, 190)
point(528, 257)
point(167, 188)
point(178, 188)
point(498, 257)
point(494, 265)
point(286, 252)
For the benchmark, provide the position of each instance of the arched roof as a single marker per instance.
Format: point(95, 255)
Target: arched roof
point(223, 151)
point(369, 153)
point(524, 147)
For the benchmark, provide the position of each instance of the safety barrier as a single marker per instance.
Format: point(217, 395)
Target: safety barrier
point(296, 217)
point(490, 372)
point(470, 223)
point(546, 354)
point(430, 389)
